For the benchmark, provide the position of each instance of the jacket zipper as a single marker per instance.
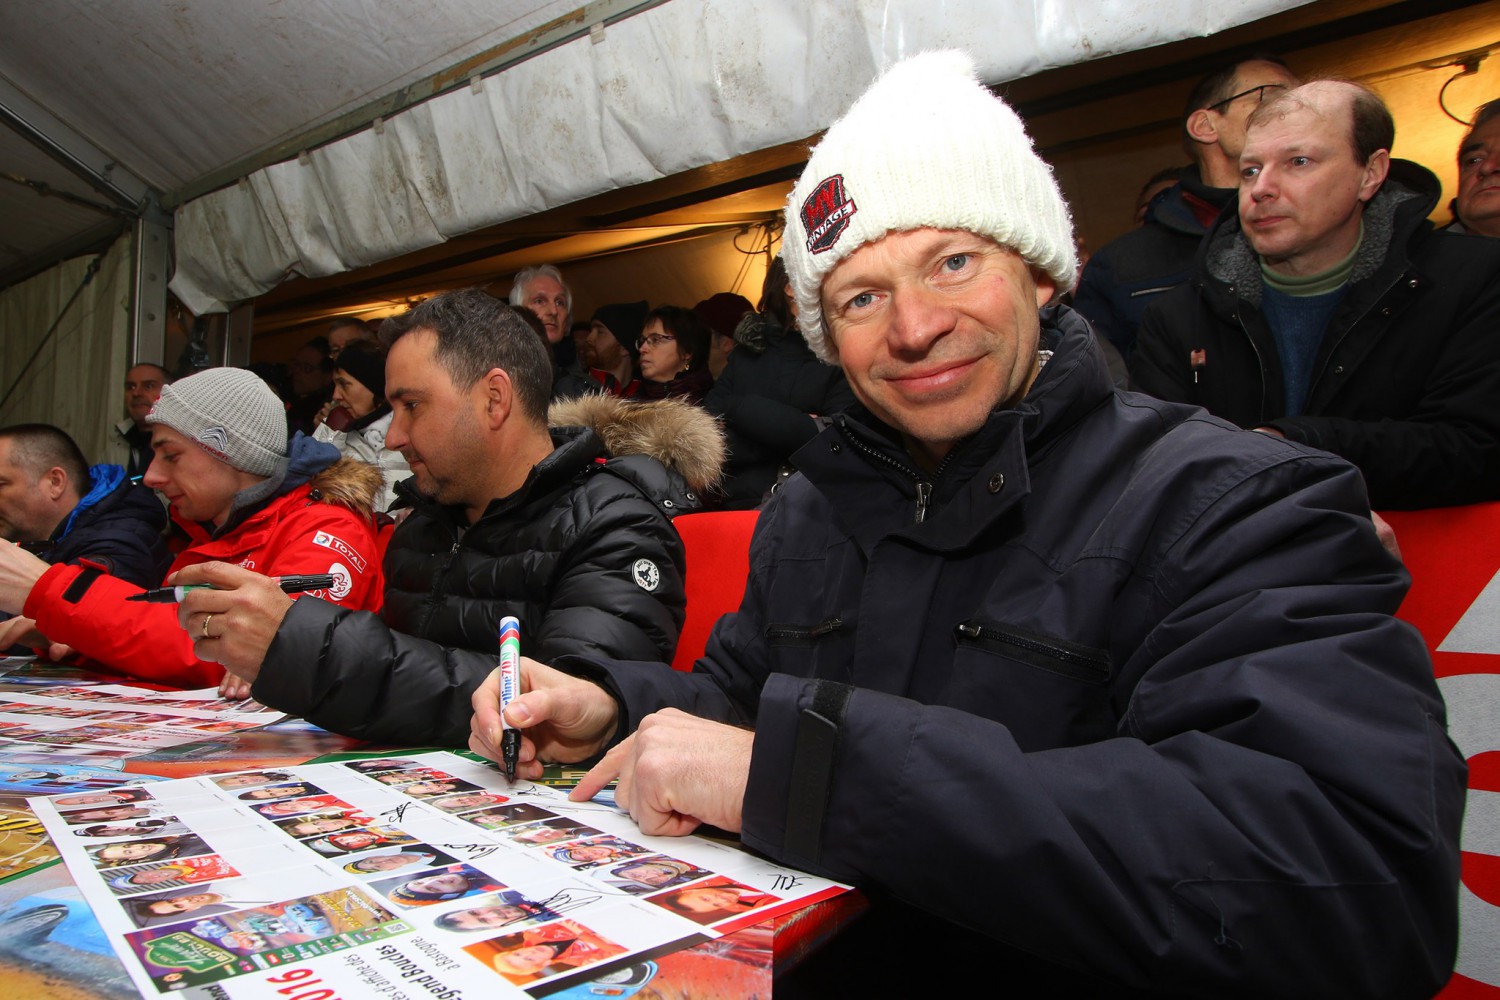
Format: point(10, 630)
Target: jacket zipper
point(435, 597)
point(923, 486)
point(1086, 666)
point(1344, 334)
point(804, 633)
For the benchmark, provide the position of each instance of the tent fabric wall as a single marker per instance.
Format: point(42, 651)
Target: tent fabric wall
point(74, 382)
point(681, 85)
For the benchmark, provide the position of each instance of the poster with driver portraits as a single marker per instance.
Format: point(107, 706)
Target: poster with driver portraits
point(400, 876)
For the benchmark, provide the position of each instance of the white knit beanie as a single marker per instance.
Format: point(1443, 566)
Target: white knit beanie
point(229, 413)
point(927, 145)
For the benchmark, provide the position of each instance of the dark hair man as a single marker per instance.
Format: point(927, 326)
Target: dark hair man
point(1478, 203)
point(1328, 311)
point(143, 384)
point(566, 528)
point(57, 506)
point(1107, 688)
point(1129, 273)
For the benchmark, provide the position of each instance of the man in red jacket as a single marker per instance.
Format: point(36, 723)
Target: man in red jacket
point(244, 495)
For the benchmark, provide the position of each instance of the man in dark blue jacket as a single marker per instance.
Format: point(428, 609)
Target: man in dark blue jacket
point(1093, 694)
point(54, 504)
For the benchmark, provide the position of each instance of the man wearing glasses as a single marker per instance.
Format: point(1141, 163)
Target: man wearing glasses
point(1128, 274)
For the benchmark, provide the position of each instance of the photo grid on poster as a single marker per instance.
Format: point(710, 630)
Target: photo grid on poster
point(404, 875)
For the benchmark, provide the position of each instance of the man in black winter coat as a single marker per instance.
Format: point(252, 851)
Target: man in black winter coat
point(1093, 694)
point(1329, 312)
point(566, 528)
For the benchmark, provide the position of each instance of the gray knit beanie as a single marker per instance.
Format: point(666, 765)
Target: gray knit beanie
point(927, 145)
point(229, 413)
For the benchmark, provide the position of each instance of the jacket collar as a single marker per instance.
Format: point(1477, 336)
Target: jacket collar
point(574, 450)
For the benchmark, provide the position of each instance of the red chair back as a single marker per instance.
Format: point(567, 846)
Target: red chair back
point(717, 544)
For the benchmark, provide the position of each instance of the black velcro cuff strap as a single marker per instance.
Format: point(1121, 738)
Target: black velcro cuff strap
point(81, 584)
point(812, 770)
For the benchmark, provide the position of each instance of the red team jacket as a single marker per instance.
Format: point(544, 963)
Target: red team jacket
point(323, 526)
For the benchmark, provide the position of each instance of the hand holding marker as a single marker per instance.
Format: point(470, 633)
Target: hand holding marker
point(510, 688)
point(288, 585)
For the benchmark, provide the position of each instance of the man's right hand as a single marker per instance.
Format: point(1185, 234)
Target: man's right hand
point(563, 719)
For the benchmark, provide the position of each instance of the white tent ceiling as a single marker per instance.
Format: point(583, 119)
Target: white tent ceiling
point(144, 102)
point(166, 96)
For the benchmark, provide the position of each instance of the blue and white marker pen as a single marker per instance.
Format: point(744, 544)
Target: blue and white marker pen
point(510, 689)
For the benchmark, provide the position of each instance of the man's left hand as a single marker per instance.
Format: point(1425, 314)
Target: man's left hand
point(19, 572)
point(242, 611)
point(676, 772)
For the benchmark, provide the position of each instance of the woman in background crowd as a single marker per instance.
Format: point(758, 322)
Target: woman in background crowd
point(674, 348)
point(357, 419)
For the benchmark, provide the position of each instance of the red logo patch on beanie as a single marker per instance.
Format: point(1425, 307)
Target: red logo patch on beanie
point(826, 214)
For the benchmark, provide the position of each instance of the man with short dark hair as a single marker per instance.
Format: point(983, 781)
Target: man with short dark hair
point(1478, 202)
point(1127, 274)
point(566, 528)
point(54, 504)
point(1095, 694)
point(143, 384)
point(1329, 312)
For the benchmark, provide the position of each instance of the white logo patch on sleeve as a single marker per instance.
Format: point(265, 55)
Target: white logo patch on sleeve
point(647, 576)
point(342, 581)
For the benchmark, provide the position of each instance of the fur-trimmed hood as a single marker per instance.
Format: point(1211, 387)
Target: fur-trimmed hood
point(679, 435)
point(350, 483)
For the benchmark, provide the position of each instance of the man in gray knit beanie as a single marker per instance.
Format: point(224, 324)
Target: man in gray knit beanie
point(1094, 694)
point(229, 413)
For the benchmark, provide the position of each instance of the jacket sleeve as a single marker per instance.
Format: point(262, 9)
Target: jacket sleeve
point(135, 553)
point(87, 609)
point(1276, 815)
point(352, 674)
point(144, 641)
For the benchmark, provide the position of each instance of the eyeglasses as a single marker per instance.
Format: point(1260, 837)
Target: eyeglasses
point(655, 340)
point(1259, 92)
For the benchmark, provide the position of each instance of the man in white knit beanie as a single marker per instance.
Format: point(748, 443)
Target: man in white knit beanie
point(1090, 693)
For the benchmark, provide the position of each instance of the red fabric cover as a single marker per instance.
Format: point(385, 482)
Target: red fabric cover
point(717, 546)
point(1453, 553)
point(290, 535)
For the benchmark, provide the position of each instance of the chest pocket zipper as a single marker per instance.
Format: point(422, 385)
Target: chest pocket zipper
point(1070, 659)
point(802, 635)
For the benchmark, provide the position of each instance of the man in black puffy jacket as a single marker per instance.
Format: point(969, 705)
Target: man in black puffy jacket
point(567, 528)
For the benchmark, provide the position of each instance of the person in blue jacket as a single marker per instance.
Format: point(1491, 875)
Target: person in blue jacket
point(55, 504)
